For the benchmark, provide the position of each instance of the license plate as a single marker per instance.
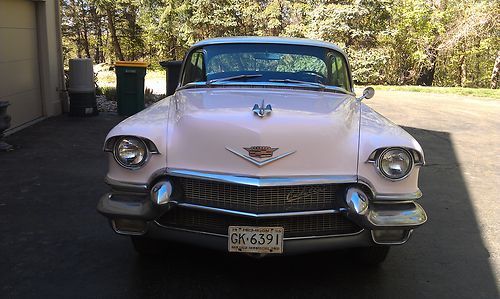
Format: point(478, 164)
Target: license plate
point(255, 239)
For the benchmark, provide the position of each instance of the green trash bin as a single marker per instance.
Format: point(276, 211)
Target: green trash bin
point(130, 86)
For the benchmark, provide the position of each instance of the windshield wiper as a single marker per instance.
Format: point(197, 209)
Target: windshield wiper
point(238, 77)
point(315, 84)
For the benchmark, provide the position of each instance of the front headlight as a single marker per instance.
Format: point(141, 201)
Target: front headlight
point(130, 152)
point(395, 163)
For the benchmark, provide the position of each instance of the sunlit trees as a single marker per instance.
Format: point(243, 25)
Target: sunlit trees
point(425, 42)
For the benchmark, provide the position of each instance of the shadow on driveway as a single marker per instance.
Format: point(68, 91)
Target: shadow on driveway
point(54, 244)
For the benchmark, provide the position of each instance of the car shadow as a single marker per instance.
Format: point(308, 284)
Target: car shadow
point(445, 257)
point(54, 243)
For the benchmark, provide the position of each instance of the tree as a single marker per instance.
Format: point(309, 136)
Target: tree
point(495, 74)
point(426, 42)
point(108, 7)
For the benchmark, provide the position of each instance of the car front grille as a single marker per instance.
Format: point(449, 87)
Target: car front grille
point(294, 226)
point(257, 199)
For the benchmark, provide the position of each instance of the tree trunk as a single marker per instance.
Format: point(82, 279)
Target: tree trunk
point(496, 72)
point(96, 20)
point(426, 75)
point(75, 15)
point(85, 35)
point(114, 39)
point(462, 72)
point(131, 16)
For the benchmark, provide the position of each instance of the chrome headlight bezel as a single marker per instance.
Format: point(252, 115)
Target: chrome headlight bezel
point(380, 156)
point(120, 161)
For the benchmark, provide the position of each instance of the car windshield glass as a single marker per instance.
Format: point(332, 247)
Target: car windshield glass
point(269, 63)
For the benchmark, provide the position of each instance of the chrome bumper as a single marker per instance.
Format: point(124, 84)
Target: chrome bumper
point(377, 215)
point(291, 246)
point(388, 223)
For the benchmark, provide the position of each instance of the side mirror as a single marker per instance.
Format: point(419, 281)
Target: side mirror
point(368, 93)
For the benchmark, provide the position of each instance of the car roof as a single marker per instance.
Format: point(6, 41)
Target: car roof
point(267, 40)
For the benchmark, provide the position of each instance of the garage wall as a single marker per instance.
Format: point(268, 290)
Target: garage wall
point(30, 67)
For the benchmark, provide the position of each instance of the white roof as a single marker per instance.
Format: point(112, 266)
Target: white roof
point(267, 40)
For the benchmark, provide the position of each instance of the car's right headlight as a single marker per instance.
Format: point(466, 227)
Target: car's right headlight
point(394, 163)
point(130, 152)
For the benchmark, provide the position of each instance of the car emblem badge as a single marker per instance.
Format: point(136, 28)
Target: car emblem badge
point(306, 193)
point(260, 151)
point(260, 155)
point(262, 110)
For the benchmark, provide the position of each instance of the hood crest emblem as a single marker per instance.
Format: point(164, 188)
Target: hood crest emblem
point(260, 151)
point(260, 155)
point(262, 110)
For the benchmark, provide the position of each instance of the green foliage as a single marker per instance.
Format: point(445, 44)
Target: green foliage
point(465, 91)
point(109, 92)
point(446, 42)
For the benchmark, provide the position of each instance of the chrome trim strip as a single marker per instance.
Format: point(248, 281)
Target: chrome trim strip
point(396, 215)
point(399, 197)
point(388, 196)
point(132, 187)
point(259, 163)
point(284, 239)
point(127, 233)
point(109, 144)
point(189, 230)
point(325, 236)
point(404, 240)
point(254, 215)
point(264, 181)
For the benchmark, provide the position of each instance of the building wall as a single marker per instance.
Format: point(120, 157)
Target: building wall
point(31, 72)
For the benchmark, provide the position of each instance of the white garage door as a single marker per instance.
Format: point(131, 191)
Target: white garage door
point(19, 76)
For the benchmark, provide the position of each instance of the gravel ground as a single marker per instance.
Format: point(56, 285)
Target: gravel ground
point(103, 105)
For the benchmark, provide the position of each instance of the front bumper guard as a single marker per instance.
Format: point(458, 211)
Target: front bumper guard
point(392, 215)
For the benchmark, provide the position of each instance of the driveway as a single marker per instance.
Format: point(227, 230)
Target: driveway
point(54, 244)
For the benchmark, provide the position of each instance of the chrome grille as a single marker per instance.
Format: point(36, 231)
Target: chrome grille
point(295, 226)
point(257, 199)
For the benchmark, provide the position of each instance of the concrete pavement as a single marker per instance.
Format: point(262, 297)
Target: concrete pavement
point(54, 244)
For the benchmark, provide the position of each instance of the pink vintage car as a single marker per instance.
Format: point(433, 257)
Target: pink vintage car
point(263, 148)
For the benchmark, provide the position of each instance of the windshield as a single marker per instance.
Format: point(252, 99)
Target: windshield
point(269, 63)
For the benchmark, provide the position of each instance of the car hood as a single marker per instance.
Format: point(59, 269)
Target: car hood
point(212, 129)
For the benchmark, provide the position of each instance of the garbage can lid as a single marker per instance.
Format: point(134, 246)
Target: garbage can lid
point(132, 63)
point(171, 63)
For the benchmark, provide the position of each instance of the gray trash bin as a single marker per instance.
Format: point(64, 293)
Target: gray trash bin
point(82, 99)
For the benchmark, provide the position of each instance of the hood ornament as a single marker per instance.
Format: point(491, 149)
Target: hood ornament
point(260, 155)
point(261, 110)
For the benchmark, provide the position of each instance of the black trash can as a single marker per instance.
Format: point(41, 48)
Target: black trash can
point(173, 69)
point(130, 86)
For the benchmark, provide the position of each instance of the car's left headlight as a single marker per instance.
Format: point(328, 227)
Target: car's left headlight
point(130, 152)
point(394, 163)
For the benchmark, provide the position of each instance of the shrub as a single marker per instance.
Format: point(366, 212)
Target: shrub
point(109, 93)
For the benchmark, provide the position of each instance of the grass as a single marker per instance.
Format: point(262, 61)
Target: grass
point(464, 91)
point(108, 78)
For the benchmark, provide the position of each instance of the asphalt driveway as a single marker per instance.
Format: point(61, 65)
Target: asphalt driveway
point(54, 244)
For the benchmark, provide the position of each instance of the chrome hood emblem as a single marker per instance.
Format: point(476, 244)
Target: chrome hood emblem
point(262, 110)
point(261, 151)
point(258, 154)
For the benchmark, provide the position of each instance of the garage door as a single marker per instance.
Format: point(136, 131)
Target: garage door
point(19, 76)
